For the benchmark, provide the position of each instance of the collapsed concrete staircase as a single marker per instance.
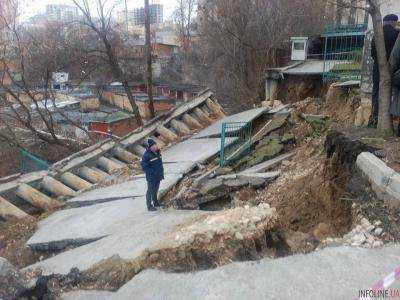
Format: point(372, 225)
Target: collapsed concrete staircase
point(43, 190)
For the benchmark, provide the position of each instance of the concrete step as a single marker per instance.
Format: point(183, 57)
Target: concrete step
point(108, 164)
point(9, 210)
point(180, 127)
point(167, 133)
point(75, 182)
point(191, 122)
point(36, 198)
point(91, 175)
point(124, 155)
point(56, 187)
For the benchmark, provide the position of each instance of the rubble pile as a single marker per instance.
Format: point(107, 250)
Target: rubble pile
point(365, 235)
point(239, 234)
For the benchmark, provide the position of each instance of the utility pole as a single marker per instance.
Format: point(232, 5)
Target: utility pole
point(149, 58)
point(126, 17)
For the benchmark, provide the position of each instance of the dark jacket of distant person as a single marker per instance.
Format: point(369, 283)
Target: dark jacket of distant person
point(391, 35)
point(152, 165)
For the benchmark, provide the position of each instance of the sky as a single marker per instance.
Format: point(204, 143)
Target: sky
point(33, 7)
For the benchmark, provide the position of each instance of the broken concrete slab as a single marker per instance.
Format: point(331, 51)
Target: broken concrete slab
point(84, 224)
point(314, 118)
point(384, 180)
point(215, 129)
point(87, 295)
point(293, 277)
point(178, 168)
point(268, 164)
point(129, 238)
point(194, 150)
point(376, 170)
point(222, 184)
point(133, 188)
point(212, 189)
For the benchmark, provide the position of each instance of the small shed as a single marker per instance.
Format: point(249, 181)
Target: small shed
point(118, 123)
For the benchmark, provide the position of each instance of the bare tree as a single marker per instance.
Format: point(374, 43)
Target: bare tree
point(373, 8)
point(27, 61)
point(385, 85)
point(149, 58)
point(241, 39)
point(101, 24)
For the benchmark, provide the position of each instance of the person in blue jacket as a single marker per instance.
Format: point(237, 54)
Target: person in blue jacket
point(152, 165)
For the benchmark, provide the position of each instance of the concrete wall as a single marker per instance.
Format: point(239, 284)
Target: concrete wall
point(384, 181)
point(90, 104)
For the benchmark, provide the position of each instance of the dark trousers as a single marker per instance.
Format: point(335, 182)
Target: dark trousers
point(375, 94)
point(151, 195)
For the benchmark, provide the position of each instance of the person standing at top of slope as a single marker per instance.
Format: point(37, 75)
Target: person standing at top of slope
point(152, 165)
point(390, 34)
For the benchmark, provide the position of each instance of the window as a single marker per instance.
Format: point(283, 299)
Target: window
point(298, 46)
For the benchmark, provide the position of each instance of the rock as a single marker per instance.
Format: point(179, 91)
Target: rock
point(320, 119)
point(377, 244)
point(321, 231)
point(300, 242)
point(378, 231)
point(359, 239)
point(377, 223)
point(222, 186)
point(12, 283)
point(363, 113)
point(365, 223)
point(272, 103)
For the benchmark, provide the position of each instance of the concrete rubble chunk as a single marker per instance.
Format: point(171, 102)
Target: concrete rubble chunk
point(377, 172)
point(314, 118)
point(268, 164)
point(222, 184)
point(393, 190)
point(12, 283)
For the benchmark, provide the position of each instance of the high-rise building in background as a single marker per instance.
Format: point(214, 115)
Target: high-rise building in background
point(61, 13)
point(137, 15)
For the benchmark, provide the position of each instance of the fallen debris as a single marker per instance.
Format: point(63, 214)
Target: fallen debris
point(12, 283)
point(213, 189)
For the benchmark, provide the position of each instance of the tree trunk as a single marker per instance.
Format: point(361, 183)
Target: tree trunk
point(117, 72)
point(149, 60)
point(385, 86)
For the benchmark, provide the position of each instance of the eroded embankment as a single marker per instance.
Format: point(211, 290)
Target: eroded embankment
point(316, 203)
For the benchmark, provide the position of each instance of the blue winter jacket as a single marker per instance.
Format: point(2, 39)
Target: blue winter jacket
point(152, 165)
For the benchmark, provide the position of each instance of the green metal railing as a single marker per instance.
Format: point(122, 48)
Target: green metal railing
point(343, 52)
point(31, 163)
point(235, 141)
